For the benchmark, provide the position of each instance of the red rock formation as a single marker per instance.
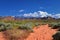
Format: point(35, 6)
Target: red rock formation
point(9, 18)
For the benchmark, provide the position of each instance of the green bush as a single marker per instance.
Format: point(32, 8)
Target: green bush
point(8, 26)
point(4, 26)
point(37, 23)
point(27, 26)
point(56, 36)
point(54, 25)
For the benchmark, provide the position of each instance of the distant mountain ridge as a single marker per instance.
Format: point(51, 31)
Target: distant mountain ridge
point(20, 18)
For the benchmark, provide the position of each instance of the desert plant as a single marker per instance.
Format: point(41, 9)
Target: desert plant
point(54, 25)
point(8, 26)
point(59, 29)
point(16, 34)
point(56, 36)
point(27, 26)
point(37, 23)
point(4, 26)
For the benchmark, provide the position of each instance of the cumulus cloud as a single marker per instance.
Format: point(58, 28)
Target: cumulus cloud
point(37, 14)
point(40, 14)
point(43, 14)
point(56, 16)
point(21, 10)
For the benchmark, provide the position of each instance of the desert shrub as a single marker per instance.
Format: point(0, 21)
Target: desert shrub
point(59, 29)
point(4, 27)
point(54, 25)
point(43, 23)
point(16, 34)
point(56, 36)
point(8, 26)
point(27, 26)
point(22, 26)
point(37, 23)
point(51, 24)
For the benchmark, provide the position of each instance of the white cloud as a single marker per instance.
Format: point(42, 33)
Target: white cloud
point(37, 14)
point(21, 10)
point(40, 14)
point(56, 16)
point(43, 14)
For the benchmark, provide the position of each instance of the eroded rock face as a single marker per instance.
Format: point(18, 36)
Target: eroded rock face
point(42, 33)
point(8, 18)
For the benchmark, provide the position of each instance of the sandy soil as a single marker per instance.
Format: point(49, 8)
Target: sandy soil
point(42, 33)
point(2, 37)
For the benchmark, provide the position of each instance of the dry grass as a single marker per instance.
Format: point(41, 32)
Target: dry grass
point(16, 34)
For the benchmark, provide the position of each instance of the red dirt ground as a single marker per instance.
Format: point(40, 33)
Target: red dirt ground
point(42, 33)
point(2, 37)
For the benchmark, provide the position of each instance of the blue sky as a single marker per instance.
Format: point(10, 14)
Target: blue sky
point(18, 7)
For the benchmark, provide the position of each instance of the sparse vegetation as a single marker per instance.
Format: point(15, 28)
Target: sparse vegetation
point(54, 25)
point(56, 36)
point(36, 24)
point(16, 34)
point(13, 28)
point(27, 26)
point(4, 26)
